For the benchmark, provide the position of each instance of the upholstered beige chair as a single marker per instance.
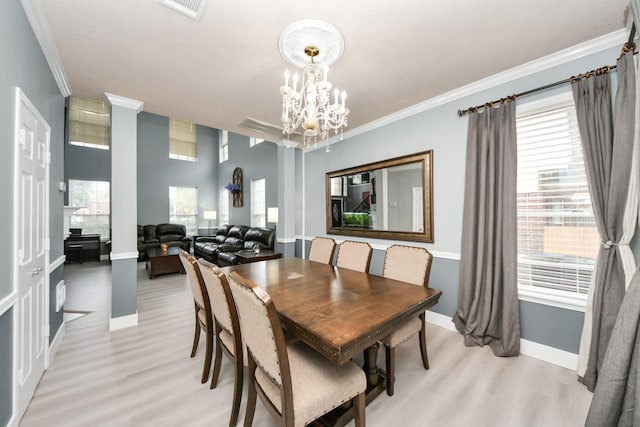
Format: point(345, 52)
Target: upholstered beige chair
point(411, 265)
point(227, 330)
point(295, 383)
point(203, 314)
point(354, 256)
point(322, 250)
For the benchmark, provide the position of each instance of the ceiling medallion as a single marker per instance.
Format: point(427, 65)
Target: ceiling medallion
point(312, 45)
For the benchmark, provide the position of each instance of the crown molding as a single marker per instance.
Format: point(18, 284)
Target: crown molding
point(121, 101)
point(606, 41)
point(40, 26)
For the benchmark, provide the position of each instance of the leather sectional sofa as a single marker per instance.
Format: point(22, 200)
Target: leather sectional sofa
point(219, 249)
point(152, 236)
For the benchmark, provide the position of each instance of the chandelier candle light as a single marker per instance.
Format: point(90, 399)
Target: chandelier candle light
point(310, 106)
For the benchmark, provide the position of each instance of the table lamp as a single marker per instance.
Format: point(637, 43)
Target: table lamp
point(209, 215)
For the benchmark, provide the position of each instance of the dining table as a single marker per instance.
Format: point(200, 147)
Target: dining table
point(340, 313)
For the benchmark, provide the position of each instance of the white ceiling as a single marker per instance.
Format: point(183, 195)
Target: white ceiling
point(227, 67)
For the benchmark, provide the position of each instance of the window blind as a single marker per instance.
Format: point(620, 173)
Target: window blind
point(89, 123)
point(182, 140)
point(557, 236)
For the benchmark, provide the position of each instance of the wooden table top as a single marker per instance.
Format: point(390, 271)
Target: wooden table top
point(337, 311)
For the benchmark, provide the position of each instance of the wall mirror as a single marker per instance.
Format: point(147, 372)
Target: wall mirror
point(391, 199)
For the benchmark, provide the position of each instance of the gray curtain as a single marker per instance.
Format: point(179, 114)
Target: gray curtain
point(608, 166)
point(616, 398)
point(487, 297)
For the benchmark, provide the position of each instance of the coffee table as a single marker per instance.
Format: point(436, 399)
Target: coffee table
point(160, 262)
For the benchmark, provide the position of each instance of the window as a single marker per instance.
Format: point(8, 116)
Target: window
point(336, 186)
point(183, 207)
point(94, 198)
point(224, 146)
point(557, 236)
point(254, 141)
point(258, 203)
point(182, 140)
point(224, 206)
point(89, 122)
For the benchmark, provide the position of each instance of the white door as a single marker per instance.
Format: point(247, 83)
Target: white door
point(418, 214)
point(32, 217)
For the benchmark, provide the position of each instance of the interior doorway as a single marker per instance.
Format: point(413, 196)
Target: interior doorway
point(31, 237)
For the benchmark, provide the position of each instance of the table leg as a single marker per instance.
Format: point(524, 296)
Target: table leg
point(376, 384)
point(370, 366)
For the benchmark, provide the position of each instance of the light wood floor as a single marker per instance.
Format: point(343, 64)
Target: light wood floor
point(143, 376)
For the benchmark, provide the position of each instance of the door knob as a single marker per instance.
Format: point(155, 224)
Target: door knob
point(36, 271)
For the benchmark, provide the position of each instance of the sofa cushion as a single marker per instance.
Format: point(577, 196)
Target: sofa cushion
point(149, 232)
point(174, 230)
point(226, 258)
point(223, 230)
point(170, 238)
point(230, 245)
point(237, 231)
point(208, 249)
point(259, 236)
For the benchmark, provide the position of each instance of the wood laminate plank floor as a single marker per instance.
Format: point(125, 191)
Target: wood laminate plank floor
point(143, 375)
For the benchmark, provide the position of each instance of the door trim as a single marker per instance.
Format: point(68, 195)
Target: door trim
point(21, 99)
point(7, 302)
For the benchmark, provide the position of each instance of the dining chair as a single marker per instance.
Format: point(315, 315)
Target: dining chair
point(354, 256)
point(322, 250)
point(412, 265)
point(227, 330)
point(296, 384)
point(203, 314)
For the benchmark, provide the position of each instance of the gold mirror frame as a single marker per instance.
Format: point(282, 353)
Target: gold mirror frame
point(425, 158)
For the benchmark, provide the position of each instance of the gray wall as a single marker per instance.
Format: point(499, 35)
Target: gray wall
point(6, 364)
point(24, 66)
point(441, 130)
point(157, 172)
point(260, 161)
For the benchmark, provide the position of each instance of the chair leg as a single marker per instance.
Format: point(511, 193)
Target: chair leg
point(207, 356)
point(216, 364)
point(358, 410)
point(251, 395)
point(196, 337)
point(391, 368)
point(237, 392)
point(423, 344)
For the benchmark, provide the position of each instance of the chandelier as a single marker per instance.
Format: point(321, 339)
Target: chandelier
point(309, 104)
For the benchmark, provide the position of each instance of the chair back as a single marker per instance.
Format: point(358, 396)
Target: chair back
point(322, 250)
point(408, 264)
point(194, 278)
point(261, 329)
point(354, 256)
point(224, 308)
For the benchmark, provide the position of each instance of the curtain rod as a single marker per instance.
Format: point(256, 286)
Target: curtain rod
point(552, 85)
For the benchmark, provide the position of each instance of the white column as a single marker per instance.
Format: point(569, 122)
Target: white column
point(124, 210)
point(286, 201)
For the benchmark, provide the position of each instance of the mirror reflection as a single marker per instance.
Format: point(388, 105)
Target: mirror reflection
point(387, 199)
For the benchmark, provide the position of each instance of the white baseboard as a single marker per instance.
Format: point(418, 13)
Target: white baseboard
point(529, 348)
point(55, 344)
point(122, 322)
